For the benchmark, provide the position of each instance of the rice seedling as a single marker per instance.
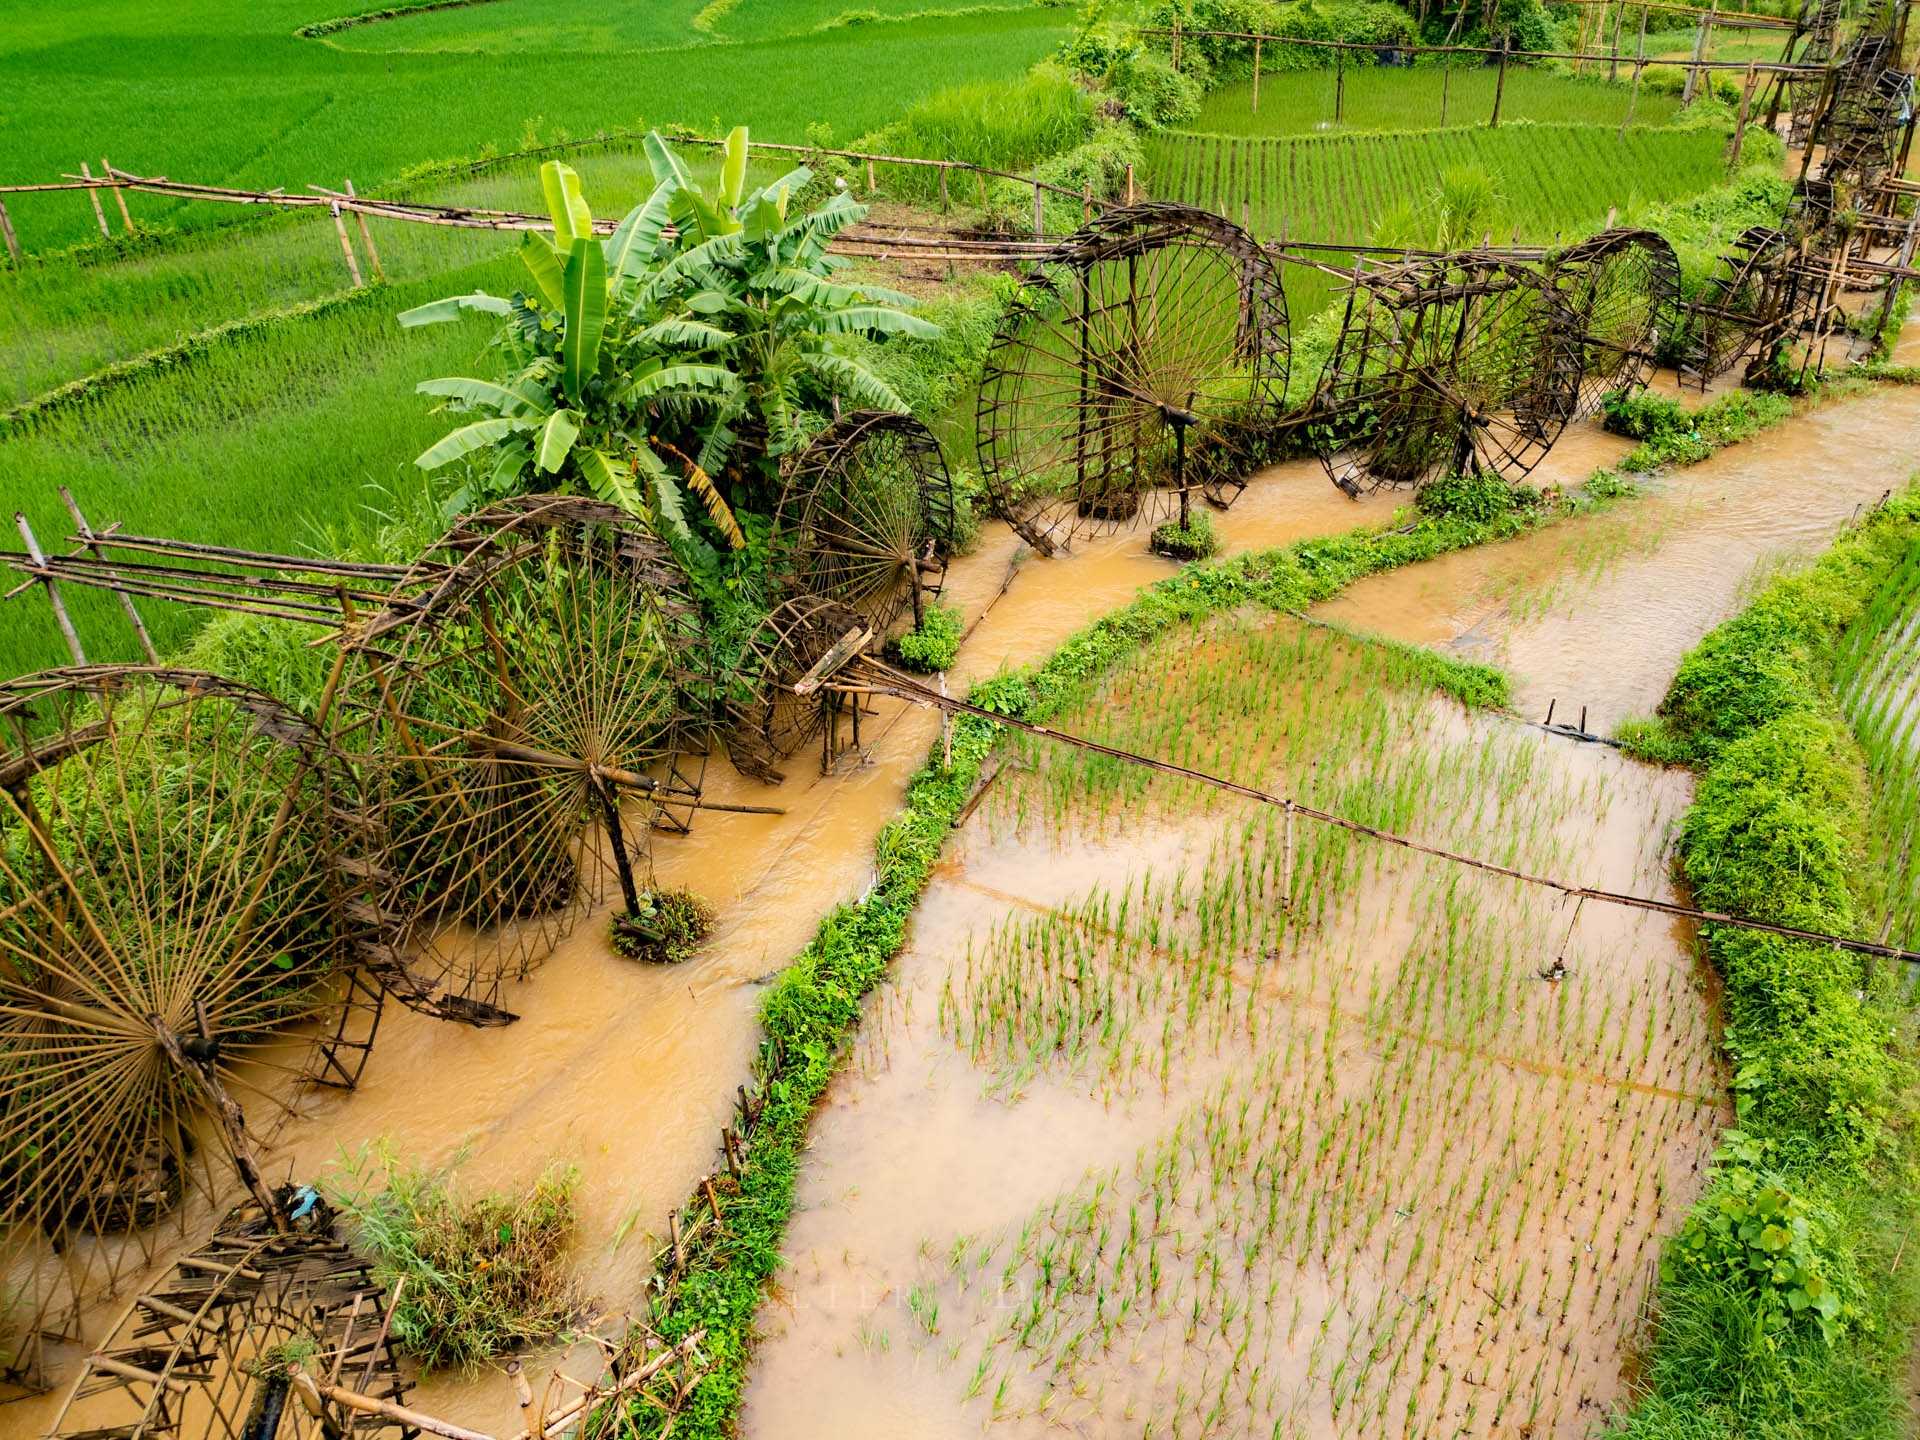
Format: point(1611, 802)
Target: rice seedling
point(1556, 181)
point(1877, 675)
point(1301, 102)
point(1389, 1179)
point(227, 92)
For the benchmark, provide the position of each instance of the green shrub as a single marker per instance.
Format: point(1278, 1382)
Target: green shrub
point(933, 646)
point(668, 927)
point(1642, 415)
point(1755, 1236)
point(1479, 498)
point(483, 1276)
point(1195, 540)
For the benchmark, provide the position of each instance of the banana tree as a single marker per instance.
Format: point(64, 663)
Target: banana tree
point(641, 365)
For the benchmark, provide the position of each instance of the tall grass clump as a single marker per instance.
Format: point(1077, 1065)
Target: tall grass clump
point(1778, 1340)
point(1001, 126)
point(483, 1275)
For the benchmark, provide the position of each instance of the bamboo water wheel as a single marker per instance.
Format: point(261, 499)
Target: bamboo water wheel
point(1458, 364)
point(1621, 287)
point(1819, 23)
point(867, 518)
point(779, 707)
point(184, 920)
point(209, 1350)
point(1147, 353)
point(1866, 114)
point(507, 709)
point(1756, 296)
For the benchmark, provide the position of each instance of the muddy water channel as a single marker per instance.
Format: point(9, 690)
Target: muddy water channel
point(1596, 613)
point(1173, 1124)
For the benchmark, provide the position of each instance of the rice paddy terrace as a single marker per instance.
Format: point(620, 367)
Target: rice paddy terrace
point(948, 880)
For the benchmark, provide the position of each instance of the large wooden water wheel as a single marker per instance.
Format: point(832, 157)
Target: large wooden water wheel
point(229, 1344)
point(508, 707)
point(1142, 360)
point(1866, 114)
point(184, 919)
point(1756, 296)
point(867, 518)
point(1621, 287)
point(1455, 364)
point(780, 705)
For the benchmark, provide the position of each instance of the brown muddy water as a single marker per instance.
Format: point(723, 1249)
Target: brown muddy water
point(1594, 614)
point(628, 1071)
point(1129, 1146)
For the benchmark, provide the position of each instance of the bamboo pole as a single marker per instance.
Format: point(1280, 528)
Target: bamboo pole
point(93, 194)
point(1740, 121)
point(1039, 214)
point(946, 204)
point(1613, 64)
point(346, 248)
point(1639, 64)
point(1446, 86)
point(366, 238)
point(1339, 86)
point(119, 195)
point(60, 616)
point(1499, 85)
point(1256, 77)
point(6, 230)
point(85, 531)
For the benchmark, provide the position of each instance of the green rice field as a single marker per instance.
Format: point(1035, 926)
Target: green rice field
point(1302, 102)
point(1553, 181)
point(224, 92)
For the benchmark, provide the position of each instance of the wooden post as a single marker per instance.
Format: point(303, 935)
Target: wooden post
point(366, 238)
point(1339, 86)
point(1446, 86)
point(94, 195)
point(346, 248)
point(1176, 46)
point(1699, 54)
point(119, 195)
point(1639, 63)
point(1580, 44)
point(1256, 74)
point(1613, 64)
point(6, 230)
point(60, 616)
point(1039, 214)
point(1130, 190)
point(1740, 121)
point(1086, 200)
point(871, 186)
point(85, 532)
point(1500, 82)
point(946, 204)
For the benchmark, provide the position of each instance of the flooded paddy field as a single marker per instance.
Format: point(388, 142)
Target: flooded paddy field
point(1174, 1125)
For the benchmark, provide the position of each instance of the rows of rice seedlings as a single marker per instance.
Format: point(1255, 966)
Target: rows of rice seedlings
point(1409, 1186)
point(1878, 674)
point(1554, 182)
point(1302, 102)
point(225, 92)
point(67, 317)
point(275, 440)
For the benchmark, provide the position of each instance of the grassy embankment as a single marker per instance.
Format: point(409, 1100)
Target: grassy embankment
point(1784, 1308)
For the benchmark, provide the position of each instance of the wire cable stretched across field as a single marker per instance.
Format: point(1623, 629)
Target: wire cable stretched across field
point(869, 676)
